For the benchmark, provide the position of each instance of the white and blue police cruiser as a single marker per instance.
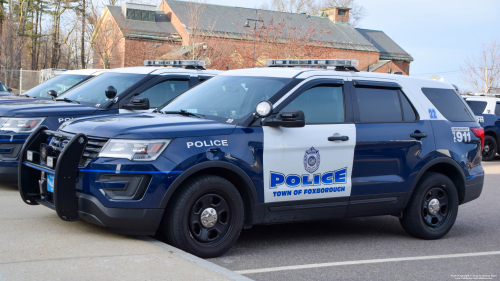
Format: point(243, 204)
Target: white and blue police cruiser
point(263, 146)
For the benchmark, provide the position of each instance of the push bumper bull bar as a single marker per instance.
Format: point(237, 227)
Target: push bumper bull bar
point(33, 188)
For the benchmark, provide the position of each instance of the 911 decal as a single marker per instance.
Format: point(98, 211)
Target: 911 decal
point(461, 134)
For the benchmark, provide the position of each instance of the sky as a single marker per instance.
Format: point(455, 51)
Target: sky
point(438, 34)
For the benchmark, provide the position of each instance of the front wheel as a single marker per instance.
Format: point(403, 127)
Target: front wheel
point(490, 148)
point(432, 209)
point(205, 218)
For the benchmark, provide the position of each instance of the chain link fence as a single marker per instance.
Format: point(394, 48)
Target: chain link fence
point(21, 81)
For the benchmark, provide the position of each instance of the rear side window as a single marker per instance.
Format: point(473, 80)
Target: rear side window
point(449, 103)
point(381, 105)
point(497, 109)
point(477, 106)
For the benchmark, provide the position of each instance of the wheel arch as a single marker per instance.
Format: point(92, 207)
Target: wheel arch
point(232, 173)
point(445, 166)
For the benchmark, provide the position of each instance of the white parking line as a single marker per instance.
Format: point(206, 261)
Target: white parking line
point(328, 264)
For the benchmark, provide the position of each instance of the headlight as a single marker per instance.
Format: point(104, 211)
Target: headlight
point(134, 150)
point(20, 125)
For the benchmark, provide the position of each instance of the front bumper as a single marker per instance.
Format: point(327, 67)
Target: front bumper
point(473, 188)
point(83, 193)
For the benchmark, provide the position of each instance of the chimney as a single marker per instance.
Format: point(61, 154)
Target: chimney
point(337, 14)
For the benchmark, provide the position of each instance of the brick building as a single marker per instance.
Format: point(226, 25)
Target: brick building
point(237, 37)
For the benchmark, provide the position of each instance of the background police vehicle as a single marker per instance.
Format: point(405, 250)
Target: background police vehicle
point(4, 91)
point(487, 111)
point(121, 90)
point(262, 146)
point(53, 87)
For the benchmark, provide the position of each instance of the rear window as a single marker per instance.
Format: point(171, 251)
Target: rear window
point(449, 103)
point(477, 106)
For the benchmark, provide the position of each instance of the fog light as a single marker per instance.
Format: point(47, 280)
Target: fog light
point(124, 187)
point(29, 155)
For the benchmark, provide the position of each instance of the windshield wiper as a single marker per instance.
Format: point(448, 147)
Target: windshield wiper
point(28, 96)
point(68, 100)
point(184, 113)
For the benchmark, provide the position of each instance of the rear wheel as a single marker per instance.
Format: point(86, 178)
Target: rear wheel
point(490, 148)
point(205, 218)
point(432, 209)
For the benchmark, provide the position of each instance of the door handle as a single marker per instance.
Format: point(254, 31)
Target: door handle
point(340, 138)
point(418, 135)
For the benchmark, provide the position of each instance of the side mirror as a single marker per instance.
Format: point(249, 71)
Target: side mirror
point(137, 104)
point(52, 93)
point(286, 118)
point(9, 89)
point(110, 92)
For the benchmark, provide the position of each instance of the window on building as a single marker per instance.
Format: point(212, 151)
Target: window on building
point(164, 91)
point(322, 104)
point(342, 12)
point(142, 15)
point(109, 28)
point(449, 103)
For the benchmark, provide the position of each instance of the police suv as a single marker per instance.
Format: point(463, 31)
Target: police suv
point(4, 91)
point(487, 111)
point(263, 146)
point(123, 90)
point(53, 87)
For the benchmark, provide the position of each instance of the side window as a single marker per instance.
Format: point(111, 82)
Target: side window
point(408, 111)
point(477, 107)
point(378, 105)
point(322, 104)
point(497, 109)
point(165, 91)
point(449, 103)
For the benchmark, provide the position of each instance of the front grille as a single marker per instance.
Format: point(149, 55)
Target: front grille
point(94, 146)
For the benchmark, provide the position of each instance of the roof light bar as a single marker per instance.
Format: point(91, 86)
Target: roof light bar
point(311, 63)
point(174, 63)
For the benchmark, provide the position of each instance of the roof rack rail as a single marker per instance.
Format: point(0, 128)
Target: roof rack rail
point(339, 64)
point(188, 64)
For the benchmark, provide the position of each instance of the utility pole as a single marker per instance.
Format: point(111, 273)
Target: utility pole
point(486, 88)
point(247, 24)
point(83, 35)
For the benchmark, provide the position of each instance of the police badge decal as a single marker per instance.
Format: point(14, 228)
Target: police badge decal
point(311, 160)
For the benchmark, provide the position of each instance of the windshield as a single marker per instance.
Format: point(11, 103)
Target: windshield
point(91, 93)
point(2, 87)
point(227, 97)
point(60, 84)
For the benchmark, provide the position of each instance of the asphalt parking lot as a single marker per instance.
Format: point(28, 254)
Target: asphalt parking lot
point(35, 244)
point(326, 250)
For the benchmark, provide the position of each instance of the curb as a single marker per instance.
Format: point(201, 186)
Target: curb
point(216, 268)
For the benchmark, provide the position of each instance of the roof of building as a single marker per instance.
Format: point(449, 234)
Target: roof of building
point(377, 65)
point(228, 22)
point(389, 50)
point(161, 29)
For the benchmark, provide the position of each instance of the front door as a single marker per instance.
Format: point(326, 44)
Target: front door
point(160, 92)
point(312, 165)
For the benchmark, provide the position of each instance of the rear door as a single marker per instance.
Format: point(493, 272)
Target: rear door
point(392, 141)
point(305, 169)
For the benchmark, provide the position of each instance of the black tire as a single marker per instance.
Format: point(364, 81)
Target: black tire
point(490, 148)
point(182, 225)
point(419, 219)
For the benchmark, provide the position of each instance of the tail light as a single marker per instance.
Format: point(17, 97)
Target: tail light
point(479, 132)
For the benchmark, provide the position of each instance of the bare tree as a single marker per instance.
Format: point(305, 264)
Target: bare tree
point(483, 72)
point(313, 7)
point(106, 38)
